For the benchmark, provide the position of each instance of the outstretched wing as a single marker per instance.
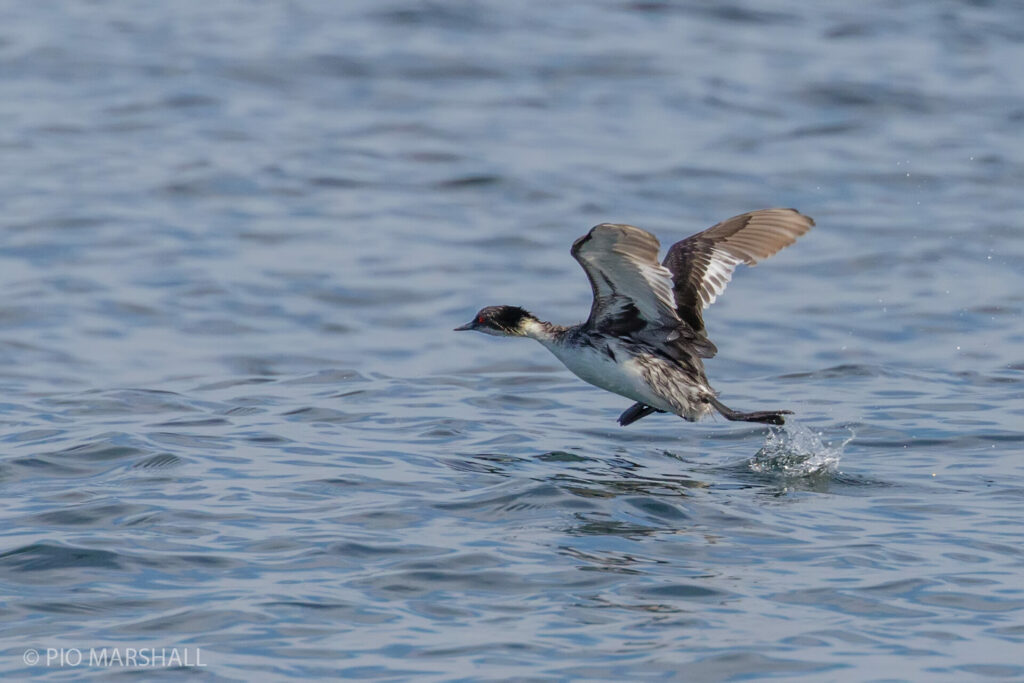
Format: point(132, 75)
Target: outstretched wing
point(702, 264)
point(631, 289)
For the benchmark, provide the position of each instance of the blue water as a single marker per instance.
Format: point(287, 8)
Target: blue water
point(233, 415)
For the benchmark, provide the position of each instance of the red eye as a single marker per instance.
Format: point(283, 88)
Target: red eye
point(480, 319)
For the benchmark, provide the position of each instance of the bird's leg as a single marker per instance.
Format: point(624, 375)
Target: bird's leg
point(635, 412)
point(773, 417)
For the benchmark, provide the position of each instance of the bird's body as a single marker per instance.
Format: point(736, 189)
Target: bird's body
point(628, 367)
point(645, 336)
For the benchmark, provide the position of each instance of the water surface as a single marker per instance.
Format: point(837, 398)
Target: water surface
point(233, 416)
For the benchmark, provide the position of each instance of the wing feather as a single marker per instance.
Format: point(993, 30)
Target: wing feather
point(702, 264)
point(621, 262)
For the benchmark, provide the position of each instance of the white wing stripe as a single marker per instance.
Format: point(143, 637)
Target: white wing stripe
point(717, 275)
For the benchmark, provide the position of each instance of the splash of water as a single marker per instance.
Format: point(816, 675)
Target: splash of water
point(797, 451)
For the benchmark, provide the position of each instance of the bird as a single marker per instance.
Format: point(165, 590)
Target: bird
point(645, 337)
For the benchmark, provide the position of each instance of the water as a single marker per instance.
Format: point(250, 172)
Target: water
point(236, 237)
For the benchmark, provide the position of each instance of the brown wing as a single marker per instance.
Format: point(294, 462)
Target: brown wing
point(702, 264)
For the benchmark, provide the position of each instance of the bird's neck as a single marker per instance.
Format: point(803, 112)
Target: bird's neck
point(544, 332)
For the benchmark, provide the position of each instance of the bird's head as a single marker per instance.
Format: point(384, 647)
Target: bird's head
point(500, 321)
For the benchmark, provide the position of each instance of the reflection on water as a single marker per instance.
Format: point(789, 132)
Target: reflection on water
point(233, 415)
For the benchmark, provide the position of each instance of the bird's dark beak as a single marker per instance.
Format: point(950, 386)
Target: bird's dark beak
point(471, 325)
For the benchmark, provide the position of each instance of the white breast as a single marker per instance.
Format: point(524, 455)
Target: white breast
point(622, 376)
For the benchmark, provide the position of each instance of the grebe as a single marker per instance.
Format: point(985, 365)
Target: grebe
point(645, 336)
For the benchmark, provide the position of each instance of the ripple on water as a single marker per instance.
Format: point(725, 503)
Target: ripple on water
point(40, 557)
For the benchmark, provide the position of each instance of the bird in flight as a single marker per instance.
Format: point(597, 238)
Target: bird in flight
point(645, 338)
